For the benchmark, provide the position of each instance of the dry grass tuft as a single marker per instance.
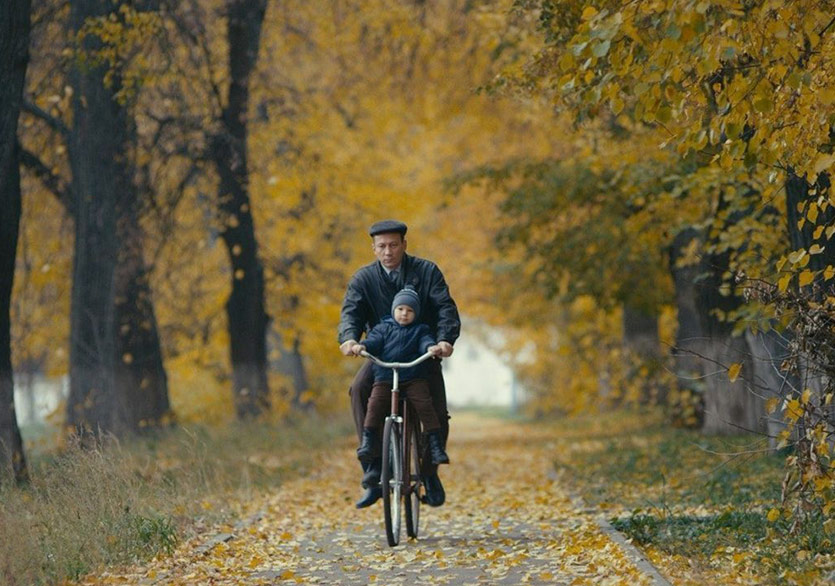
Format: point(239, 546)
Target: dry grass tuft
point(127, 501)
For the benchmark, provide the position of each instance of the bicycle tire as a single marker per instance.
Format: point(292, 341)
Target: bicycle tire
point(391, 480)
point(412, 504)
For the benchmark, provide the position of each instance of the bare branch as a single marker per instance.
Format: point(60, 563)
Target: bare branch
point(50, 180)
point(53, 122)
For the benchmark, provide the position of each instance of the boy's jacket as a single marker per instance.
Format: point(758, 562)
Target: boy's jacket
point(391, 342)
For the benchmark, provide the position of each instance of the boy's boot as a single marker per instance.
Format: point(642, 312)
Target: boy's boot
point(367, 449)
point(371, 483)
point(371, 472)
point(436, 448)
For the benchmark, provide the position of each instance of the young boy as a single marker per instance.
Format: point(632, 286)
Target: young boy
point(399, 339)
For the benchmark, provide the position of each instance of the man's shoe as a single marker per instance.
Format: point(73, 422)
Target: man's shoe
point(368, 445)
point(371, 496)
point(435, 495)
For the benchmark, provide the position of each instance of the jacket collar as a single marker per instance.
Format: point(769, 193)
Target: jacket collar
point(403, 270)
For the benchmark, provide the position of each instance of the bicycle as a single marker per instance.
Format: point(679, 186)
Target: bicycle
point(401, 449)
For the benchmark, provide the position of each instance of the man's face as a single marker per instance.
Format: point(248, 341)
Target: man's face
point(404, 315)
point(389, 249)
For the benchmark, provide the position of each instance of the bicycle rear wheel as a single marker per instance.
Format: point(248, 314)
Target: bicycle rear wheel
point(391, 480)
point(413, 483)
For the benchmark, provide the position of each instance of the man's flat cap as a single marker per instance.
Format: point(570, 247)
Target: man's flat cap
point(387, 227)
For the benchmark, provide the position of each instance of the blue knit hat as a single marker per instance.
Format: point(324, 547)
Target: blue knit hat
point(407, 296)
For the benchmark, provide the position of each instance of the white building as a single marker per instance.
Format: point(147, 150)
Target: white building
point(476, 375)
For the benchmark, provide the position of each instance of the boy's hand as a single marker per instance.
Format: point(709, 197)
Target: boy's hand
point(356, 349)
point(435, 350)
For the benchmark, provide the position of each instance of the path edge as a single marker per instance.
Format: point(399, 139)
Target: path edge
point(632, 552)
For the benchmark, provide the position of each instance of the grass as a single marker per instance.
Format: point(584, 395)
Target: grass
point(697, 505)
point(129, 501)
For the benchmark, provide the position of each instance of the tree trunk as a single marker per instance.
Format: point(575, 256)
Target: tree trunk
point(289, 362)
point(14, 57)
point(769, 350)
point(117, 383)
point(730, 407)
point(141, 381)
point(690, 337)
point(246, 313)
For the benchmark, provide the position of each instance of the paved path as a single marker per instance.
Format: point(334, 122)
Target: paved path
point(508, 520)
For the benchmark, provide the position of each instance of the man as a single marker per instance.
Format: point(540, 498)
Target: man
point(367, 301)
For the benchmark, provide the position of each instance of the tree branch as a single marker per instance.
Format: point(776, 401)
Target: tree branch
point(826, 28)
point(53, 122)
point(50, 180)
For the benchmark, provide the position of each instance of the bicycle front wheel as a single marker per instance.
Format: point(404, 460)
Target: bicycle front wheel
point(391, 480)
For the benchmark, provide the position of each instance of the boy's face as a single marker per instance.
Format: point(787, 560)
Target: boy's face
point(404, 315)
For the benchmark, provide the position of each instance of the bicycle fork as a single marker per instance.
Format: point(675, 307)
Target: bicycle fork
point(397, 419)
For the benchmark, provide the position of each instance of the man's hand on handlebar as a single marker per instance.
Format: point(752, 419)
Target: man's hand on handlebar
point(446, 349)
point(347, 348)
point(357, 349)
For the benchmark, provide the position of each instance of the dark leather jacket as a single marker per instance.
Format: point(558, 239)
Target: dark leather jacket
point(370, 293)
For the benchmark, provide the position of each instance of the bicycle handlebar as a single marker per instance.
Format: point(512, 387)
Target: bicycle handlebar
point(379, 362)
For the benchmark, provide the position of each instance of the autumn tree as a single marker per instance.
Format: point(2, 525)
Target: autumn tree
point(117, 342)
point(245, 309)
point(745, 92)
point(117, 380)
point(14, 57)
point(195, 117)
point(352, 113)
point(724, 87)
point(578, 234)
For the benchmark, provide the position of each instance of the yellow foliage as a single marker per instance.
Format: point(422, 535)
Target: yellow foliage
point(734, 370)
point(41, 296)
point(793, 410)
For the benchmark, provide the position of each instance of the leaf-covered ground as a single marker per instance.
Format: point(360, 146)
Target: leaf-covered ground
point(508, 520)
point(697, 506)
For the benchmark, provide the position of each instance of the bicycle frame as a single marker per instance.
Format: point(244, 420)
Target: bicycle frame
point(400, 480)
